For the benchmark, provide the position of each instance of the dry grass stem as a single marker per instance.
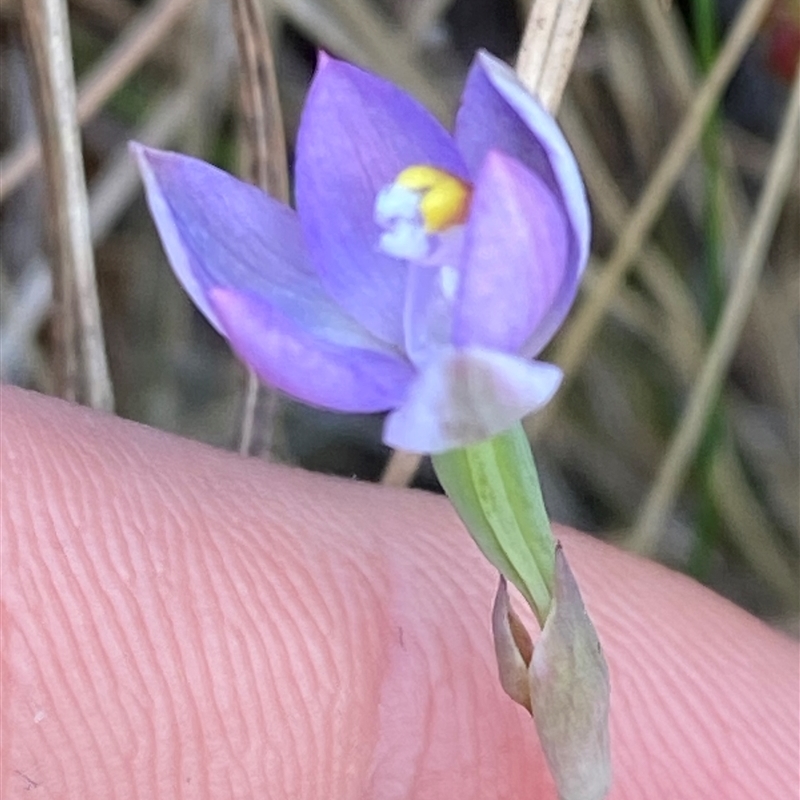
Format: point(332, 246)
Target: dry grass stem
point(669, 40)
point(81, 347)
point(577, 337)
point(685, 331)
point(390, 51)
point(723, 347)
point(680, 338)
point(549, 45)
point(401, 468)
point(110, 194)
point(626, 63)
point(248, 414)
point(262, 119)
point(140, 39)
point(265, 144)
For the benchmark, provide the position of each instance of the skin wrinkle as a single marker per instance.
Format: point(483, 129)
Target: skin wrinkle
point(118, 642)
point(36, 641)
point(215, 667)
point(199, 597)
point(209, 665)
point(249, 652)
point(693, 660)
point(365, 575)
point(400, 776)
point(351, 593)
point(30, 756)
point(697, 739)
point(133, 686)
point(464, 685)
point(100, 617)
point(116, 601)
point(179, 704)
point(659, 695)
point(317, 720)
point(306, 733)
point(149, 691)
point(320, 676)
point(323, 671)
point(42, 639)
point(692, 720)
point(281, 631)
point(137, 683)
point(405, 697)
point(222, 602)
point(270, 671)
point(403, 691)
point(163, 643)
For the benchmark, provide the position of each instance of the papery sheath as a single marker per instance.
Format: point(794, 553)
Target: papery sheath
point(513, 648)
point(569, 686)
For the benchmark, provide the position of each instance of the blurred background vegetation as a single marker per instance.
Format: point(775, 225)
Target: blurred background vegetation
point(677, 433)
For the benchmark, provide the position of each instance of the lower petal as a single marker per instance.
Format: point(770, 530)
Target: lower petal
point(468, 395)
point(307, 365)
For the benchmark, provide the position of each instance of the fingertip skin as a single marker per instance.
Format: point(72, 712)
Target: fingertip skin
point(180, 622)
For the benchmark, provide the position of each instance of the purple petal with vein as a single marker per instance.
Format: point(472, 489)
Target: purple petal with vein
point(219, 231)
point(357, 133)
point(468, 395)
point(306, 364)
point(515, 270)
point(498, 113)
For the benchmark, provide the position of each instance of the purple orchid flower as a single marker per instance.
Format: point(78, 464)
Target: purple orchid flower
point(421, 272)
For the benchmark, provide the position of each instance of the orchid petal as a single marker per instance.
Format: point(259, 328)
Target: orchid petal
point(465, 396)
point(357, 133)
point(219, 231)
point(516, 278)
point(498, 113)
point(308, 364)
point(226, 239)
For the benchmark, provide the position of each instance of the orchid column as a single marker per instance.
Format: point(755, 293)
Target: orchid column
point(420, 275)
